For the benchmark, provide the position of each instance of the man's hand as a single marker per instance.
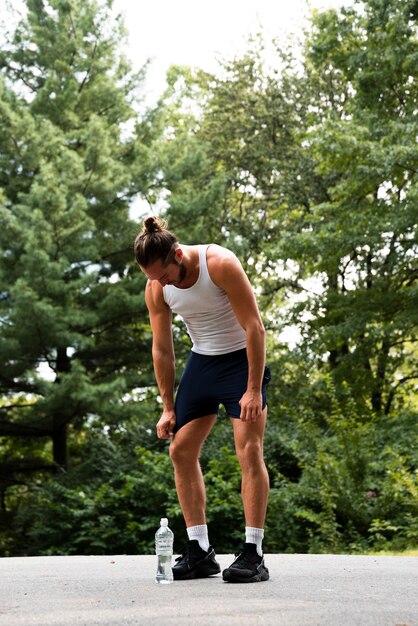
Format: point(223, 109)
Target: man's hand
point(165, 425)
point(251, 406)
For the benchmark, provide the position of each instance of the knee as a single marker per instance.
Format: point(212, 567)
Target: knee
point(250, 455)
point(179, 453)
point(175, 451)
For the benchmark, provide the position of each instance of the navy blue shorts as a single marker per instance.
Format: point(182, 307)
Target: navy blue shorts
point(209, 381)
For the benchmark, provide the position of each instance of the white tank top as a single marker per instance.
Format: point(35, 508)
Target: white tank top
point(207, 313)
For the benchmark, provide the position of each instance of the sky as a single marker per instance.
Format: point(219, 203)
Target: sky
point(189, 32)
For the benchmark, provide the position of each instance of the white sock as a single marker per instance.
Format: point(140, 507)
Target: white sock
point(201, 534)
point(255, 535)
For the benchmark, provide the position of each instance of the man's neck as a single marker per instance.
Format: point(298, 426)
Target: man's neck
point(191, 263)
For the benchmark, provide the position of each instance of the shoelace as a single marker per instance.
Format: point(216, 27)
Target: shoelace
point(183, 554)
point(243, 559)
point(186, 553)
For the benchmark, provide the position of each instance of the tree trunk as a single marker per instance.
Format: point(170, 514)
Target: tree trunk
point(59, 446)
point(59, 435)
point(377, 392)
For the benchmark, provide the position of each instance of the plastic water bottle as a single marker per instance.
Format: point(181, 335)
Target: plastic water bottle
point(164, 539)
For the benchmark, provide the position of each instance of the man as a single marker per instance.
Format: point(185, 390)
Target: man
point(207, 286)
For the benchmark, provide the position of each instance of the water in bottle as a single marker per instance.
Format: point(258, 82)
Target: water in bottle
point(164, 538)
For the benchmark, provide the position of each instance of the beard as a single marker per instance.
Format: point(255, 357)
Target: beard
point(182, 273)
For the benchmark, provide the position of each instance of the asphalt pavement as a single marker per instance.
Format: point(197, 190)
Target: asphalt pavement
point(303, 590)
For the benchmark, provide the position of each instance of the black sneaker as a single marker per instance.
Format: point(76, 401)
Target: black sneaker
point(248, 567)
point(195, 562)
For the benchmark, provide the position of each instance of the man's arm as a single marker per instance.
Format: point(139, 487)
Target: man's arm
point(162, 355)
point(227, 273)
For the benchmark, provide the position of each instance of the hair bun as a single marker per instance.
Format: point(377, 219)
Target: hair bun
point(154, 242)
point(153, 224)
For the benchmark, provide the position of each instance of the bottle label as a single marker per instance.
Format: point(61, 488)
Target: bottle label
point(164, 546)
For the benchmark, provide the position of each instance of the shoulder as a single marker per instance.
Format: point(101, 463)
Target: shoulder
point(223, 265)
point(218, 255)
point(154, 295)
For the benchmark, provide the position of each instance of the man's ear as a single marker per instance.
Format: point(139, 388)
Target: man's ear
point(178, 255)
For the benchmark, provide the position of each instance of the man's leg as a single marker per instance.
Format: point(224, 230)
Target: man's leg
point(196, 562)
point(249, 565)
point(255, 480)
point(185, 451)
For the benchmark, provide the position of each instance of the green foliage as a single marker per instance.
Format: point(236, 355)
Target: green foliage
point(110, 502)
point(354, 473)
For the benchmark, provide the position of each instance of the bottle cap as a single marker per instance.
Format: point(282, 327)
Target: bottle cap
point(164, 521)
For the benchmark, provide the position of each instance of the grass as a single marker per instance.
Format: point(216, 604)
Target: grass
point(394, 553)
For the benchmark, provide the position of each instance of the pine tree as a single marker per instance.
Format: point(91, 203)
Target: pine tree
point(72, 312)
